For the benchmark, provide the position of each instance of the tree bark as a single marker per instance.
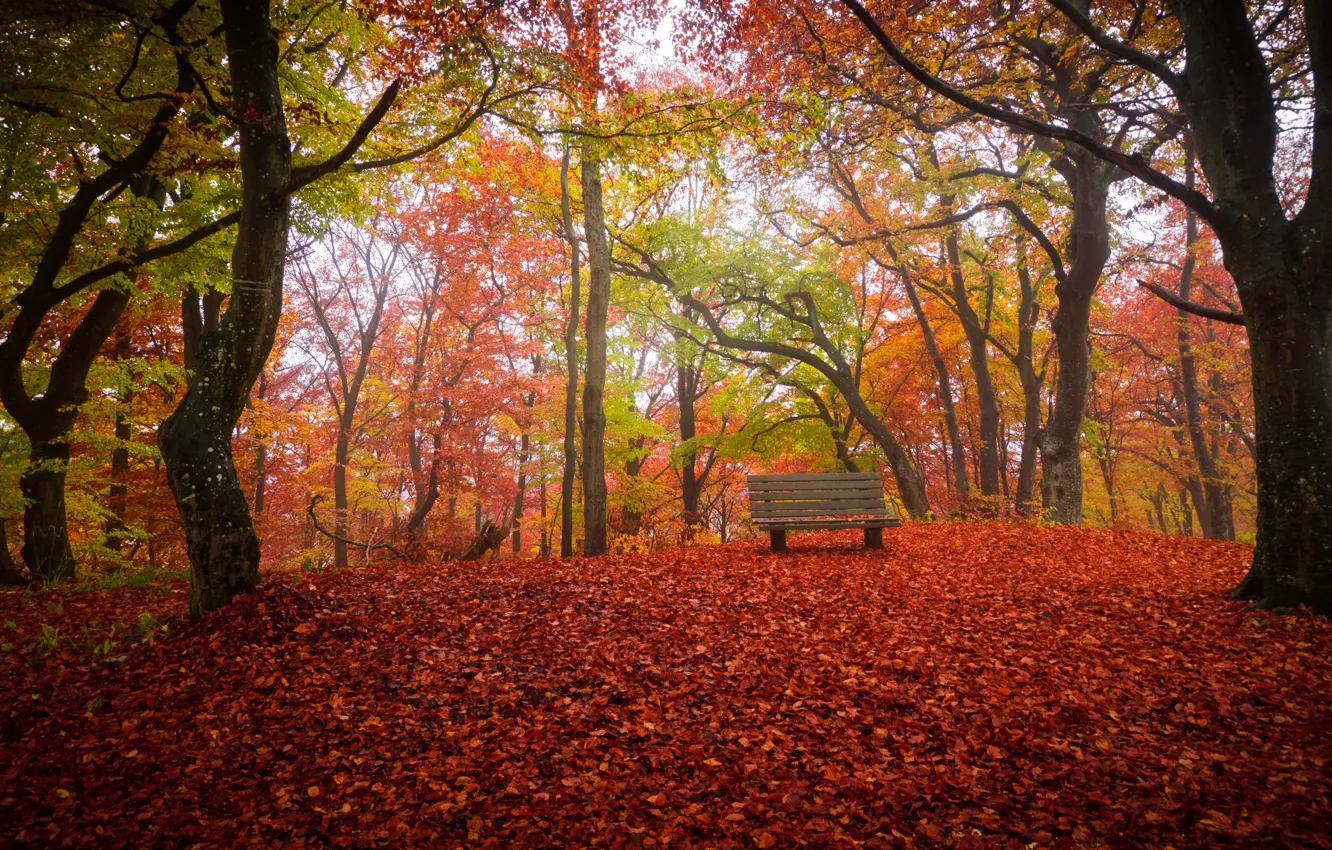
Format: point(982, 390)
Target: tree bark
point(196, 439)
point(114, 528)
point(685, 394)
point(1209, 498)
point(594, 383)
point(523, 454)
point(986, 402)
point(1089, 181)
point(260, 458)
point(571, 369)
point(1031, 381)
point(958, 457)
point(11, 574)
point(1281, 270)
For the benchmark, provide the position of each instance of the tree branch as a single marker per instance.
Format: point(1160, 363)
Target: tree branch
point(1193, 307)
point(1134, 163)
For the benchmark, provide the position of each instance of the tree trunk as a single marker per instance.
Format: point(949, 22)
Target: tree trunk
point(1089, 247)
point(1031, 380)
point(986, 402)
point(196, 439)
point(521, 492)
point(686, 384)
point(260, 458)
point(959, 459)
point(909, 484)
point(114, 528)
point(46, 548)
point(1291, 345)
point(340, 506)
point(571, 370)
point(598, 300)
point(11, 575)
point(1210, 499)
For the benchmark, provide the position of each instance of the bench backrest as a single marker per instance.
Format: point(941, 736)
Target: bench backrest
point(819, 495)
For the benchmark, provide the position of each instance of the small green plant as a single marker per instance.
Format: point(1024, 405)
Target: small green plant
point(47, 641)
point(105, 647)
point(147, 627)
point(96, 703)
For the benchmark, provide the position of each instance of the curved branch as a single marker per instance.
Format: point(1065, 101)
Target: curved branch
point(1227, 316)
point(368, 547)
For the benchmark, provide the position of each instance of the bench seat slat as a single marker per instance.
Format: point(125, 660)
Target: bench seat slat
point(865, 506)
point(824, 512)
point(815, 476)
point(778, 487)
point(816, 524)
point(799, 495)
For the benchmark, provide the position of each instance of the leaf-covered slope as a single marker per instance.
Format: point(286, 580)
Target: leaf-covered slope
point(972, 684)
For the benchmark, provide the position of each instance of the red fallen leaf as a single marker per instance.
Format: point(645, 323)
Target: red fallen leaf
point(542, 671)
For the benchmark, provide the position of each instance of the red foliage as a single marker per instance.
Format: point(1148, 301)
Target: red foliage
point(971, 685)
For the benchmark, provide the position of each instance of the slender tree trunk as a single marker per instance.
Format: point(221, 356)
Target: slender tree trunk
point(10, 573)
point(986, 402)
point(196, 439)
point(598, 300)
point(686, 387)
point(1031, 381)
point(1210, 499)
point(260, 458)
point(843, 453)
point(521, 492)
point(571, 369)
point(341, 452)
point(909, 484)
point(114, 528)
point(958, 457)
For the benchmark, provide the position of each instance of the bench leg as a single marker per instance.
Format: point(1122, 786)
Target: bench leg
point(778, 540)
point(874, 538)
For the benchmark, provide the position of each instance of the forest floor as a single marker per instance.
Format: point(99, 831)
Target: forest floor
point(973, 685)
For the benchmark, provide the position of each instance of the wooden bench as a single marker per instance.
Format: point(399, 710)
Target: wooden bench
point(782, 503)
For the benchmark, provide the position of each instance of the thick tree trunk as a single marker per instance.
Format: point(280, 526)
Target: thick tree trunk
point(46, 548)
point(594, 383)
point(1290, 342)
point(571, 370)
point(1089, 180)
point(196, 439)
